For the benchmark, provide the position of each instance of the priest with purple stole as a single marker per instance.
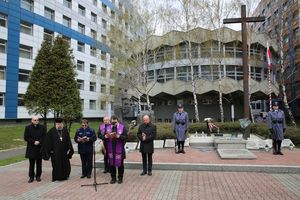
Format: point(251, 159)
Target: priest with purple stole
point(115, 147)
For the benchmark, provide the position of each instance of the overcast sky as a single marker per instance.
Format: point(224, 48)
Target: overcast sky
point(252, 3)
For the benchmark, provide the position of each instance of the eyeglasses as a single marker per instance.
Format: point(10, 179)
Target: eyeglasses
point(83, 125)
point(36, 120)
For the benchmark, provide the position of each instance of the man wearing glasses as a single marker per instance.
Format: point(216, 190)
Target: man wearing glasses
point(85, 137)
point(33, 135)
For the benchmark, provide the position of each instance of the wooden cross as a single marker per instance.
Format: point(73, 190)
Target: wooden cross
point(245, 20)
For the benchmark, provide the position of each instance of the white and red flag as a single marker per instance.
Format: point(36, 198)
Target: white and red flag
point(269, 56)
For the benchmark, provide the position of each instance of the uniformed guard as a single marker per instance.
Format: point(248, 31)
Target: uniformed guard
point(180, 125)
point(277, 126)
point(85, 137)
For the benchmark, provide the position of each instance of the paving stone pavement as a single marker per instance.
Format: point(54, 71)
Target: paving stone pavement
point(162, 185)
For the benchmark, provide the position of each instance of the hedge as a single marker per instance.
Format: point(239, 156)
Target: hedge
point(164, 130)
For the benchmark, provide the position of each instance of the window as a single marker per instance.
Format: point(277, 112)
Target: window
point(103, 105)
point(81, 10)
point(67, 21)
point(67, 39)
point(93, 51)
point(93, 69)
point(21, 101)
point(103, 38)
point(94, 34)
point(1, 99)
point(103, 72)
point(24, 75)
point(111, 89)
point(49, 13)
point(2, 46)
point(80, 47)
point(104, 8)
point(92, 104)
point(95, 2)
point(94, 17)
point(92, 86)
point(80, 65)
point(82, 103)
point(103, 89)
point(2, 72)
point(3, 20)
point(26, 28)
point(112, 14)
point(48, 35)
point(27, 4)
point(80, 84)
point(104, 23)
point(68, 3)
point(25, 51)
point(81, 28)
point(103, 55)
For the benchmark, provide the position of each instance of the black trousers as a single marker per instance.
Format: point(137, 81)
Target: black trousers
point(180, 145)
point(38, 163)
point(106, 162)
point(147, 161)
point(113, 172)
point(276, 146)
point(87, 163)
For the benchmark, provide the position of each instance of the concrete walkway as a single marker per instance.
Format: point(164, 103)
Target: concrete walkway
point(168, 185)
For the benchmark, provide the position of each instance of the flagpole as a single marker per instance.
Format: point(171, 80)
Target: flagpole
point(269, 74)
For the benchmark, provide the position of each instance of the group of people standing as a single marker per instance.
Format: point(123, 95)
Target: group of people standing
point(56, 144)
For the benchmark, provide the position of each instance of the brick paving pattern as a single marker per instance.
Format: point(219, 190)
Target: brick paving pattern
point(162, 185)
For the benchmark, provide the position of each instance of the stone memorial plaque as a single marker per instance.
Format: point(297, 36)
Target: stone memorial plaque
point(252, 144)
point(187, 142)
point(235, 154)
point(287, 143)
point(130, 146)
point(169, 143)
point(158, 144)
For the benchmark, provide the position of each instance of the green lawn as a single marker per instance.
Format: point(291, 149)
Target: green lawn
point(13, 136)
point(11, 160)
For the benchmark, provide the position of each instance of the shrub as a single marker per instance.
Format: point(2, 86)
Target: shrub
point(164, 131)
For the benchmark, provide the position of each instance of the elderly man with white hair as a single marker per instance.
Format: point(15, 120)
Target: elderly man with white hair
point(34, 135)
point(146, 134)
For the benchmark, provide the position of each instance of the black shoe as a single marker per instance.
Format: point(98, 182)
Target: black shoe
point(177, 152)
point(149, 173)
point(83, 176)
point(120, 181)
point(113, 181)
point(88, 176)
point(30, 180)
point(105, 171)
point(143, 173)
point(38, 179)
point(274, 153)
point(279, 153)
point(183, 151)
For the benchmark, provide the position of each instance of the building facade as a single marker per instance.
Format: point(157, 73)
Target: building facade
point(282, 16)
point(24, 24)
point(217, 66)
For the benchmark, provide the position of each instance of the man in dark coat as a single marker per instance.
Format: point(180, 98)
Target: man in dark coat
point(59, 147)
point(85, 137)
point(146, 134)
point(115, 147)
point(277, 126)
point(33, 135)
point(104, 128)
point(180, 124)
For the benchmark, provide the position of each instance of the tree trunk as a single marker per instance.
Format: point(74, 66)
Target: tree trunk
point(193, 83)
point(220, 79)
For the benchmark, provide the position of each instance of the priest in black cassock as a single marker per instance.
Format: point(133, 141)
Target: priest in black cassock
point(58, 146)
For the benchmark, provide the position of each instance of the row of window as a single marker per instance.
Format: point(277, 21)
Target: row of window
point(181, 51)
point(92, 103)
point(209, 72)
point(103, 89)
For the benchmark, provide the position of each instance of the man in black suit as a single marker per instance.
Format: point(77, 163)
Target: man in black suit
point(33, 135)
point(146, 134)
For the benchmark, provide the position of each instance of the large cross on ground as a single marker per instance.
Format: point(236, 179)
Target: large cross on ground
point(244, 20)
